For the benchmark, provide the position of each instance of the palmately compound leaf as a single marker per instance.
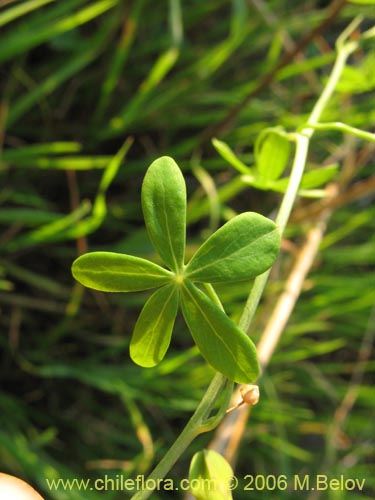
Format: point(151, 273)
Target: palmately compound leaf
point(164, 209)
point(244, 247)
point(153, 330)
point(210, 476)
point(224, 346)
point(115, 272)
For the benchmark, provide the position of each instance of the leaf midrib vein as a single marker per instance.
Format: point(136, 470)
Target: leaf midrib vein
point(168, 231)
point(213, 329)
point(161, 316)
point(143, 275)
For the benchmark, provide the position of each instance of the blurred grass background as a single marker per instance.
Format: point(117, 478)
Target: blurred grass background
point(91, 93)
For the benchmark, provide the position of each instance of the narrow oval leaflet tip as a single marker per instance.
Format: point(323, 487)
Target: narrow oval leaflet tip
point(243, 248)
point(224, 346)
point(164, 210)
point(153, 330)
point(115, 272)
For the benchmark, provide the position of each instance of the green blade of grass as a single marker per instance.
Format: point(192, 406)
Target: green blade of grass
point(16, 43)
point(40, 149)
point(29, 217)
point(63, 162)
point(48, 85)
point(49, 232)
point(88, 52)
point(99, 210)
point(162, 66)
point(20, 10)
point(119, 58)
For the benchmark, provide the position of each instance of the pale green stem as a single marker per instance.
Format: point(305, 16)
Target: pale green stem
point(201, 420)
point(302, 139)
point(342, 127)
point(302, 144)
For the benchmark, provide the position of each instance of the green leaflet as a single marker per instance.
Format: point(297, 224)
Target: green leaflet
point(153, 330)
point(114, 272)
point(226, 152)
point(319, 176)
point(244, 247)
point(224, 346)
point(210, 476)
point(310, 180)
point(271, 153)
point(164, 209)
